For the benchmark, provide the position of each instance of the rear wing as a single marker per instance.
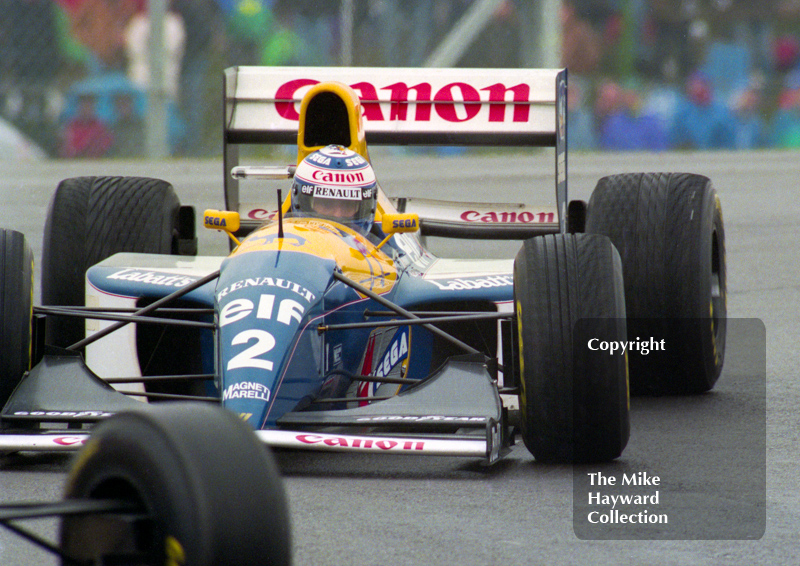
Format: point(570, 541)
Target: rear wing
point(405, 106)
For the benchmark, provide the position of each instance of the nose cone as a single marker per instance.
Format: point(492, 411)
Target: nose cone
point(264, 328)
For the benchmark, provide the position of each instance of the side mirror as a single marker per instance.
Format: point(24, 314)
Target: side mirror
point(224, 220)
point(395, 223)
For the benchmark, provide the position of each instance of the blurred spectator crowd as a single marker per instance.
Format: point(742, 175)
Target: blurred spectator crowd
point(682, 74)
point(74, 73)
point(644, 74)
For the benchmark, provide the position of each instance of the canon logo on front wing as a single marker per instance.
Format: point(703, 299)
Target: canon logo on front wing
point(361, 443)
point(70, 440)
point(444, 101)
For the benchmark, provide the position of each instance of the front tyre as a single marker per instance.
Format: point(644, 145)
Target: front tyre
point(573, 402)
point(203, 491)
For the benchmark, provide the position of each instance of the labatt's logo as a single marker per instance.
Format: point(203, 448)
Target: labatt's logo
point(479, 283)
point(443, 102)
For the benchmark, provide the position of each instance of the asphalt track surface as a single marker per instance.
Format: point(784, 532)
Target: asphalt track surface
point(708, 450)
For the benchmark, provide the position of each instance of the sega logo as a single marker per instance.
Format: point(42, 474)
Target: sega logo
point(443, 102)
point(404, 223)
point(215, 221)
point(396, 353)
point(355, 161)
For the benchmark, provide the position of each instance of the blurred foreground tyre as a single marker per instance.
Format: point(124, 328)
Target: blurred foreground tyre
point(204, 491)
point(573, 402)
point(16, 303)
point(669, 232)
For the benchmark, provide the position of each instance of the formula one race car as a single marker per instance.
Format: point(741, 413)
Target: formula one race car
point(351, 336)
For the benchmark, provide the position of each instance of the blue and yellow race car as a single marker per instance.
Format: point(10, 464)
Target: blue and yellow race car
point(329, 326)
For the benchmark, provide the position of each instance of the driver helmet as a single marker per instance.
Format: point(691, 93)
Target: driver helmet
point(336, 183)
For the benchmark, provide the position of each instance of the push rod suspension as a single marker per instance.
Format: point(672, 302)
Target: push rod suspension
point(143, 311)
point(125, 318)
point(403, 312)
point(413, 322)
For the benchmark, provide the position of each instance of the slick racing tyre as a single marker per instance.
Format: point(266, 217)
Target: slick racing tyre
point(573, 402)
point(200, 487)
point(90, 219)
point(16, 304)
point(669, 232)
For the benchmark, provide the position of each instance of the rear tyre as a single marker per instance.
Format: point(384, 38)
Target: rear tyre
point(669, 232)
point(573, 403)
point(90, 219)
point(205, 491)
point(16, 302)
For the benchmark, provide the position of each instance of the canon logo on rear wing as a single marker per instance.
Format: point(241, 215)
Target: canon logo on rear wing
point(453, 102)
point(505, 217)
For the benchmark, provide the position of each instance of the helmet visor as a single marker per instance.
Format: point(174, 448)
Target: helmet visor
point(340, 204)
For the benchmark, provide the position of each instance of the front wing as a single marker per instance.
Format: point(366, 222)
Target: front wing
point(456, 412)
point(489, 447)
